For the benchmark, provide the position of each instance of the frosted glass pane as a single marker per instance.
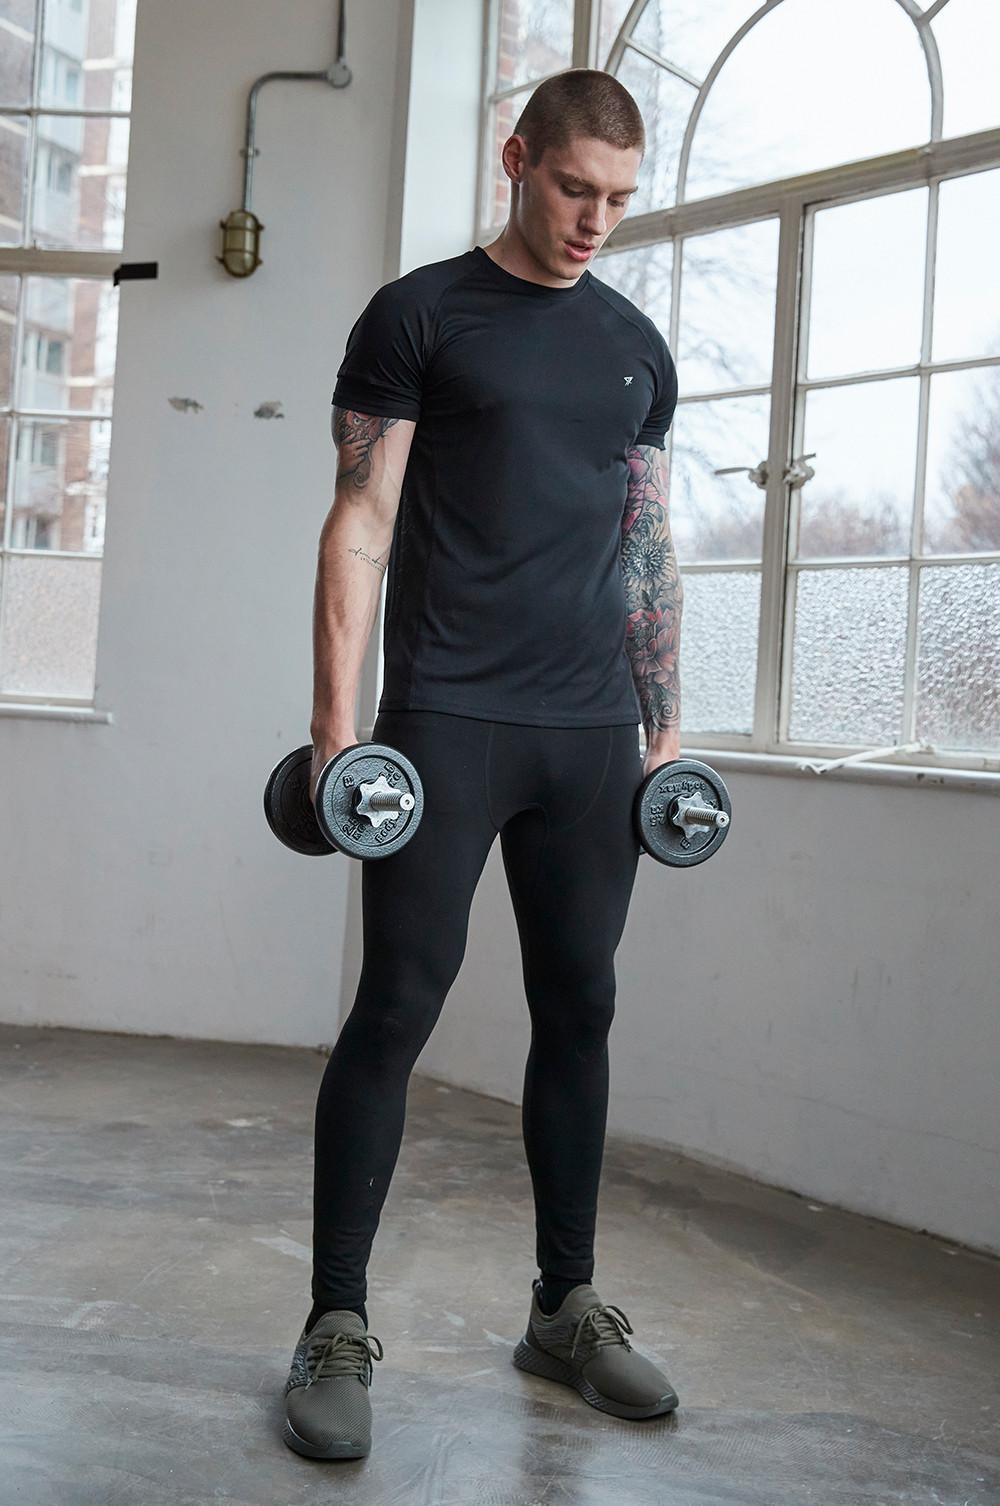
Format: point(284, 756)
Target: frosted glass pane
point(847, 662)
point(535, 38)
point(968, 37)
point(966, 296)
point(958, 657)
point(864, 440)
point(48, 625)
point(809, 86)
point(726, 329)
point(867, 287)
point(719, 628)
point(962, 493)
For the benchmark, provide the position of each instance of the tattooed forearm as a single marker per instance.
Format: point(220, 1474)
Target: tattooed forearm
point(654, 594)
point(356, 435)
point(371, 558)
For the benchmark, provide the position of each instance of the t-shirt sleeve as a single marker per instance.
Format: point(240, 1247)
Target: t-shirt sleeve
point(383, 365)
point(661, 412)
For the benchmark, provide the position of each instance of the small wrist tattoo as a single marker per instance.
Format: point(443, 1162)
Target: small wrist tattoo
point(363, 554)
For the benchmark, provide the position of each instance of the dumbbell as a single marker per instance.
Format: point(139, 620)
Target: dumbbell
point(682, 812)
point(369, 802)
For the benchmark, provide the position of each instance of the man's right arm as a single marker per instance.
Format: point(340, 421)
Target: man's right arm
point(354, 548)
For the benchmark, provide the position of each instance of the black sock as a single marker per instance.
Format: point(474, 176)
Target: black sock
point(552, 1292)
point(319, 1308)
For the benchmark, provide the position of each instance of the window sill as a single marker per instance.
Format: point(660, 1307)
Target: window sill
point(923, 775)
point(38, 713)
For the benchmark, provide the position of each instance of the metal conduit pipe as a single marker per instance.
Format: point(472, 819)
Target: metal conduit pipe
point(241, 228)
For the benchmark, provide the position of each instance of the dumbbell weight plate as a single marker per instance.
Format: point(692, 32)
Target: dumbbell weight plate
point(290, 812)
point(341, 790)
point(663, 795)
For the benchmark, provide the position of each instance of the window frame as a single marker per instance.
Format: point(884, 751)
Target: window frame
point(32, 260)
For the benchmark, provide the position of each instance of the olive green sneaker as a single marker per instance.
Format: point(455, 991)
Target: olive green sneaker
point(328, 1412)
point(583, 1345)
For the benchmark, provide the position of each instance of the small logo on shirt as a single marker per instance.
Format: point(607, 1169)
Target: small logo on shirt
point(628, 381)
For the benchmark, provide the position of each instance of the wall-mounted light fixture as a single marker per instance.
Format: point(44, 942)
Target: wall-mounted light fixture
point(241, 228)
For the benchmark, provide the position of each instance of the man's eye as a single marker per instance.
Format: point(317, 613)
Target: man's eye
point(577, 193)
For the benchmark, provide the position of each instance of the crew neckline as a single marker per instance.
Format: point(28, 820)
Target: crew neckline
point(516, 284)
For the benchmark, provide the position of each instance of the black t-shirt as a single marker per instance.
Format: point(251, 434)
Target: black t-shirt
point(504, 593)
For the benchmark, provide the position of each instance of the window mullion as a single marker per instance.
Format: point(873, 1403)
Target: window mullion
point(767, 700)
point(585, 35)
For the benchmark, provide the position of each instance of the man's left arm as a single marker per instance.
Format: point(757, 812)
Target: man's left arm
point(654, 597)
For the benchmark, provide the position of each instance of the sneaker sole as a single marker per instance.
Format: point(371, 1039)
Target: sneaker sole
point(550, 1367)
point(339, 1450)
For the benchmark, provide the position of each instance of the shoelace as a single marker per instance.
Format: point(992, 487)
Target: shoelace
point(603, 1327)
point(341, 1354)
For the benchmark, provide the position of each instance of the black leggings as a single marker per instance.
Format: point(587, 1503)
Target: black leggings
point(561, 799)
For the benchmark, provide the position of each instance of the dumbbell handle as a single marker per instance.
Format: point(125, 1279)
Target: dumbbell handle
point(396, 800)
point(698, 815)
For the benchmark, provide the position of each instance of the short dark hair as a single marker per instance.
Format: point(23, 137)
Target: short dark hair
point(580, 102)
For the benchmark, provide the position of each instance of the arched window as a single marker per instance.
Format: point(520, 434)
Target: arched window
point(815, 234)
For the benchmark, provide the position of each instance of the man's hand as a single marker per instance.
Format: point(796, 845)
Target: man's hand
point(663, 750)
point(327, 745)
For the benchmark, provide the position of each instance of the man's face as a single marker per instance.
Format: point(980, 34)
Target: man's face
point(574, 197)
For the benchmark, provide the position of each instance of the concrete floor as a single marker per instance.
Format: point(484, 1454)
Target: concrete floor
point(154, 1253)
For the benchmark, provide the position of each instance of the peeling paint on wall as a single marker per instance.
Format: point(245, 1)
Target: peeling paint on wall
point(185, 404)
point(269, 410)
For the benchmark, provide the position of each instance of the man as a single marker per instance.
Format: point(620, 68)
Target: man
point(500, 420)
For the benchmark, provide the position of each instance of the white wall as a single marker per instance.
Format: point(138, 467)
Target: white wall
point(817, 1006)
point(142, 890)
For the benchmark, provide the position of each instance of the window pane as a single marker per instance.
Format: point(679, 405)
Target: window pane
point(643, 275)
point(968, 37)
point(866, 303)
point(718, 517)
point(48, 626)
point(8, 319)
point(87, 55)
point(726, 329)
point(847, 661)
point(958, 657)
point(690, 33)
point(5, 428)
point(665, 102)
point(719, 650)
point(60, 484)
point(966, 293)
point(499, 126)
point(962, 496)
point(13, 177)
point(80, 182)
point(613, 13)
point(860, 500)
point(70, 331)
point(536, 38)
point(17, 41)
point(808, 87)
